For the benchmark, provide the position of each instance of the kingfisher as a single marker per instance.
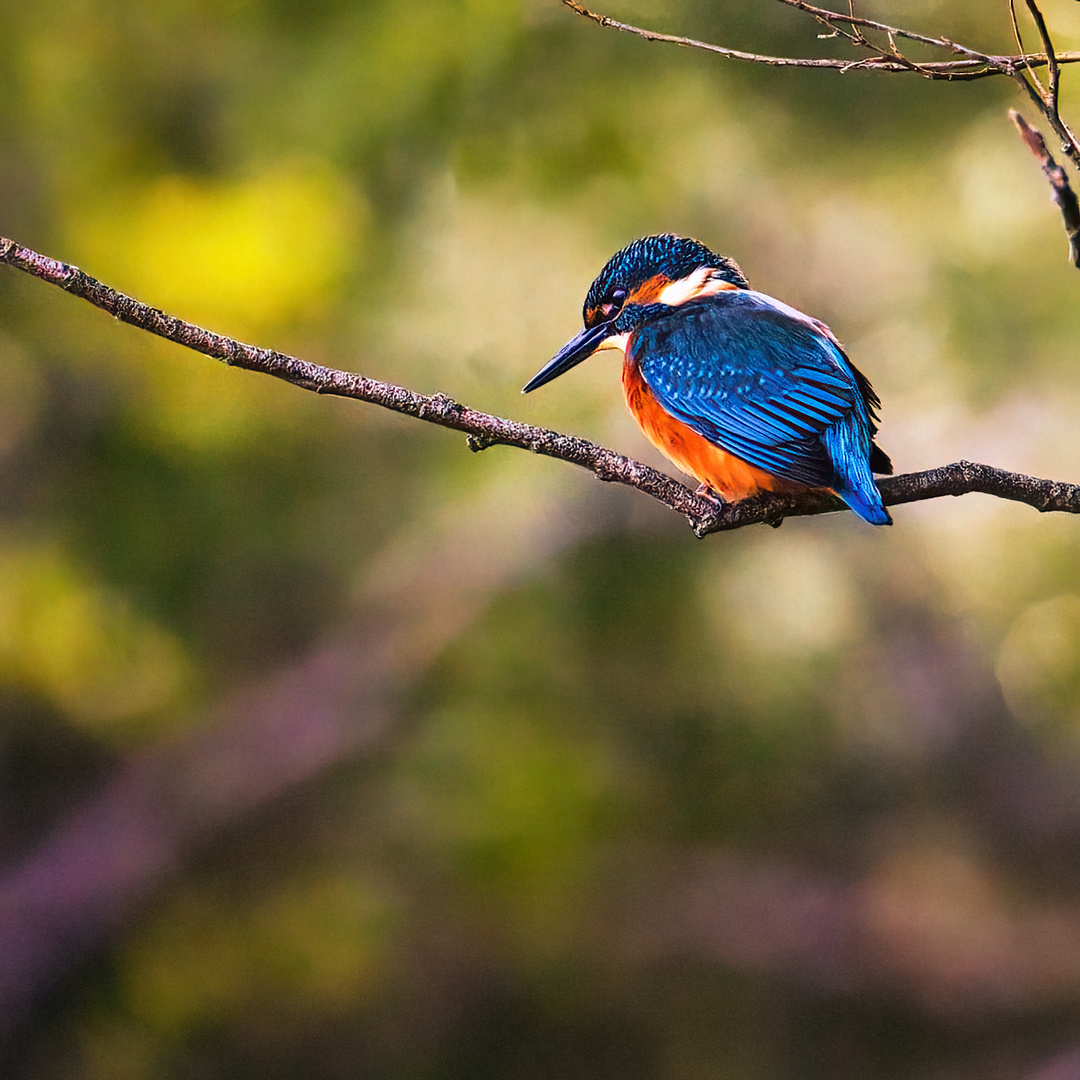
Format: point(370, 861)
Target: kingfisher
point(739, 390)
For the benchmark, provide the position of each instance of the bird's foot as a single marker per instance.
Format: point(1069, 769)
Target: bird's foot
point(703, 491)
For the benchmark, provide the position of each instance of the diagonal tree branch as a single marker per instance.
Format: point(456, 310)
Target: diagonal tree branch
point(484, 429)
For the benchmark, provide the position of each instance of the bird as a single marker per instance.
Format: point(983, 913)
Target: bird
point(739, 390)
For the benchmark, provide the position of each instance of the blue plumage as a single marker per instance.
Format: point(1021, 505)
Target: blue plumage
point(738, 389)
point(766, 383)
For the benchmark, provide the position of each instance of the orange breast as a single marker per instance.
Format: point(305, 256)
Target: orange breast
point(725, 473)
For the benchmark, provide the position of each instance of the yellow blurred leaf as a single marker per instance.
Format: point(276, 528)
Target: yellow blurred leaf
point(238, 256)
point(81, 645)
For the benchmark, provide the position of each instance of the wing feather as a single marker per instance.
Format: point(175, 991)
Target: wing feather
point(757, 378)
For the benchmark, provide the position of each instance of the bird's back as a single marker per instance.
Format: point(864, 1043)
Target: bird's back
point(766, 384)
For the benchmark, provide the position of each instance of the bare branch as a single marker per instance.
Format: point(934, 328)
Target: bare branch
point(975, 65)
point(888, 57)
point(1063, 194)
point(485, 430)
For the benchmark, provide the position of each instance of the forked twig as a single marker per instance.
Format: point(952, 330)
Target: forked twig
point(1021, 68)
point(974, 65)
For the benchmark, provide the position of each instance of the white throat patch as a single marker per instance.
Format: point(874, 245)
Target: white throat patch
point(705, 281)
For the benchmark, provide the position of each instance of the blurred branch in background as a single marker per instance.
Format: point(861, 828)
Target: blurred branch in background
point(485, 430)
point(338, 702)
point(886, 56)
point(929, 926)
point(934, 933)
point(926, 927)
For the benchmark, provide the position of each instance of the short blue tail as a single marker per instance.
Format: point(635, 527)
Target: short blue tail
point(849, 449)
point(866, 502)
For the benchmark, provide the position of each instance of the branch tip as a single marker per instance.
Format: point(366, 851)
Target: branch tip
point(1060, 189)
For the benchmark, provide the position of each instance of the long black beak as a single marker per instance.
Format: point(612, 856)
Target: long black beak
point(570, 355)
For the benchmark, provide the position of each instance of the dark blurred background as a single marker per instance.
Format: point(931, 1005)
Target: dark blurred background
point(329, 749)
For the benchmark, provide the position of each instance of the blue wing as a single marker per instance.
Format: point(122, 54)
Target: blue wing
point(763, 381)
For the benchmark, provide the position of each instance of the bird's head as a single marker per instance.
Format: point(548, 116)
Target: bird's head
point(646, 276)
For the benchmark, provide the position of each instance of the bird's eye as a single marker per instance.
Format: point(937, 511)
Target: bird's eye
point(613, 303)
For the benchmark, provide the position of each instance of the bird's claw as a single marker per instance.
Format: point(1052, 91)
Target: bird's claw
point(703, 491)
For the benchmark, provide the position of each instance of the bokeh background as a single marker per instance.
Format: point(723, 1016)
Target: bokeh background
point(330, 749)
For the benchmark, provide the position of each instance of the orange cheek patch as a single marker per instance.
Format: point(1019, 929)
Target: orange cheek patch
point(725, 473)
point(648, 292)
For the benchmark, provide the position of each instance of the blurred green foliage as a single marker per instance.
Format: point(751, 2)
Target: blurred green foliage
point(423, 192)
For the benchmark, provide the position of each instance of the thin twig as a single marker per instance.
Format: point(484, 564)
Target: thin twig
point(485, 430)
point(1051, 97)
point(1063, 194)
point(976, 65)
point(1051, 60)
point(1018, 37)
point(1020, 68)
point(831, 17)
